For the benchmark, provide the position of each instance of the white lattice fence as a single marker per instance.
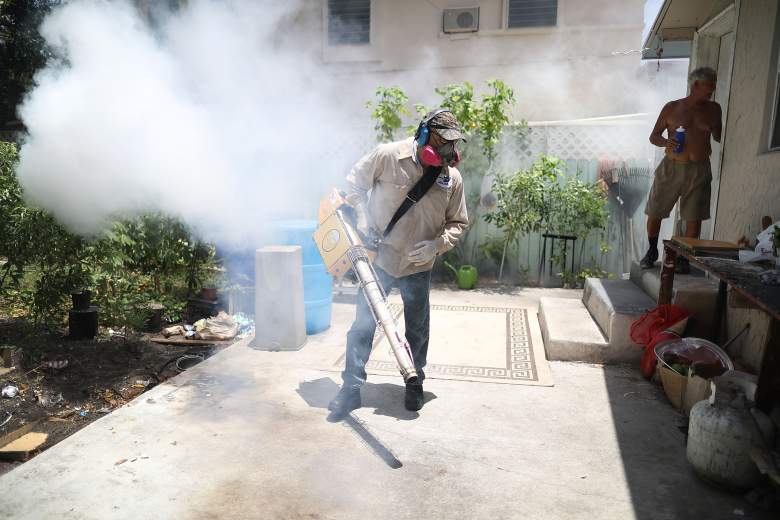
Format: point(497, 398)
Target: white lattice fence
point(582, 146)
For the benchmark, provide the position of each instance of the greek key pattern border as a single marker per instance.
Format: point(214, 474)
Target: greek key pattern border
point(520, 362)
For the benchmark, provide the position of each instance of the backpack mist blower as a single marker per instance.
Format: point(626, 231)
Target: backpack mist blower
point(342, 249)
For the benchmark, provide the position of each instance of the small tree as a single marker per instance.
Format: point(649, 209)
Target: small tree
point(545, 198)
point(493, 116)
point(459, 98)
point(387, 112)
point(523, 201)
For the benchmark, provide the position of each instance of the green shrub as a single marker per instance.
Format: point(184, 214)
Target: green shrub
point(545, 198)
point(152, 258)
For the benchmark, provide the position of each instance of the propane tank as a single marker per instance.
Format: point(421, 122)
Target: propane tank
point(721, 434)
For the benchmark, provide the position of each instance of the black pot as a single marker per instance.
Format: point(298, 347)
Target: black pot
point(81, 300)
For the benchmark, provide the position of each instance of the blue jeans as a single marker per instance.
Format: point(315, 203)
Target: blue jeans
point(415, 290)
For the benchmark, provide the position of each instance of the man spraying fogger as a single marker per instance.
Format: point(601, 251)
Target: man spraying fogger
point(410, 196)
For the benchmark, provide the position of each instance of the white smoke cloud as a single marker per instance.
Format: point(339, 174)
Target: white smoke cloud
point(211, 115)
point(225, 115)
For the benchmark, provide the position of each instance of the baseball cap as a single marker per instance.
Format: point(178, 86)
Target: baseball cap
point(446, 126)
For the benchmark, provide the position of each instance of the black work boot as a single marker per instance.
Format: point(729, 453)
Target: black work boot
point(346, 400)
point(414, 399)
point(648, 262)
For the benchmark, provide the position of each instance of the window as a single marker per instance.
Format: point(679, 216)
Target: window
point(774, 137)
point(349, 22)
point(532, 13)
point(773, 91)
point(772, 132)
point(159, 11)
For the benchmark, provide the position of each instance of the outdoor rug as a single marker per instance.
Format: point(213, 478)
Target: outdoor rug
point(471, 343)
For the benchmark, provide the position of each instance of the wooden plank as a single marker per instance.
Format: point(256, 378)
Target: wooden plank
point(768, 390)
point(742, 278)
point(738, 301)
point(707, 245)
point(179, 340)
point(667, 274)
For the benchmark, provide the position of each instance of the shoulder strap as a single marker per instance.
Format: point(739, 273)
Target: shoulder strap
point(430, 174)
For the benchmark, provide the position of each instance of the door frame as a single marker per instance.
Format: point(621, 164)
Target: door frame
point(706, 53)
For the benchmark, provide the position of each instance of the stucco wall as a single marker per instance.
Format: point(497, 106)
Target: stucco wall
point(750, 177)
point(576, 69)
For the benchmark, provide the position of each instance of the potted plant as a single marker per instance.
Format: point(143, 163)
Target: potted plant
point(213, 280)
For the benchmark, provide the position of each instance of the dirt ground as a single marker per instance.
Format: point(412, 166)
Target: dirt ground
point(100, 376)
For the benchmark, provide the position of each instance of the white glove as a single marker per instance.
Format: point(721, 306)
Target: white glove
point(425, 252)
point(361, 214)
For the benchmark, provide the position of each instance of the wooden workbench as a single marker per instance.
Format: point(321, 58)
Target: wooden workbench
point(743, 279)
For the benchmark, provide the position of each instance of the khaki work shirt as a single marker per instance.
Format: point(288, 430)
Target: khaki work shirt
point(388, 173)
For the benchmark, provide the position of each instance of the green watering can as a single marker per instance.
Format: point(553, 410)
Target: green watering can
point(466, 275)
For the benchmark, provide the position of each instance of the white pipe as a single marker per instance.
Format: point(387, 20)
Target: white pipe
point(377, 302)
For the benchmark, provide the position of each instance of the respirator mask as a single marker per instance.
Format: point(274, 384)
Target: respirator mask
point(446, 155)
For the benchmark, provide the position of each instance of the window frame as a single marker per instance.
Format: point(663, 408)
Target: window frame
point(333, 44)
point(774, 147)
point(530, 27)
point(774, 121)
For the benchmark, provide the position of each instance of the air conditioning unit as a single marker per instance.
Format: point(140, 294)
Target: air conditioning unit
point(463, 19)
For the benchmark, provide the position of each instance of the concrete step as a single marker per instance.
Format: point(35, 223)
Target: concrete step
point(615, 304)
point(569, 332)
point(694, 292)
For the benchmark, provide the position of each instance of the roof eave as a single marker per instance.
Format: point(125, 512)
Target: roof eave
point(671, 43)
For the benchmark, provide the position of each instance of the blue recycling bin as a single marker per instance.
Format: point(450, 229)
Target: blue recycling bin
point(317, 282)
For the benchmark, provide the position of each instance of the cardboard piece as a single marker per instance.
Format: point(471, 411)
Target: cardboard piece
point(21, 443)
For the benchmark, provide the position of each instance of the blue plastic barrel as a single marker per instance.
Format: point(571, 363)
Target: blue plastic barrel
point(298, 233)
point(317, 282)
point(318, 314)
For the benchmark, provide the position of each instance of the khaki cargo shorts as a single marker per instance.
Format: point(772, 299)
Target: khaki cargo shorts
point(687, 181)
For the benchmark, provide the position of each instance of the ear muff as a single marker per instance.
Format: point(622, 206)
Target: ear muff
point(422, 140)
point(429, 156)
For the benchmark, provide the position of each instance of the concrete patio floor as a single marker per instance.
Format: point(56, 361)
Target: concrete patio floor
point(244, 435)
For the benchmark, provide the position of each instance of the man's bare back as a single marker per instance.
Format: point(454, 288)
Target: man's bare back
point(701, 119)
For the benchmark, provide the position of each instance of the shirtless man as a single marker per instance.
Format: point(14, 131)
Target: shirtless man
point(685, 175)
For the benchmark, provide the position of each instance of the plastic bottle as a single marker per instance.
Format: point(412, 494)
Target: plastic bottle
point(679, 135)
